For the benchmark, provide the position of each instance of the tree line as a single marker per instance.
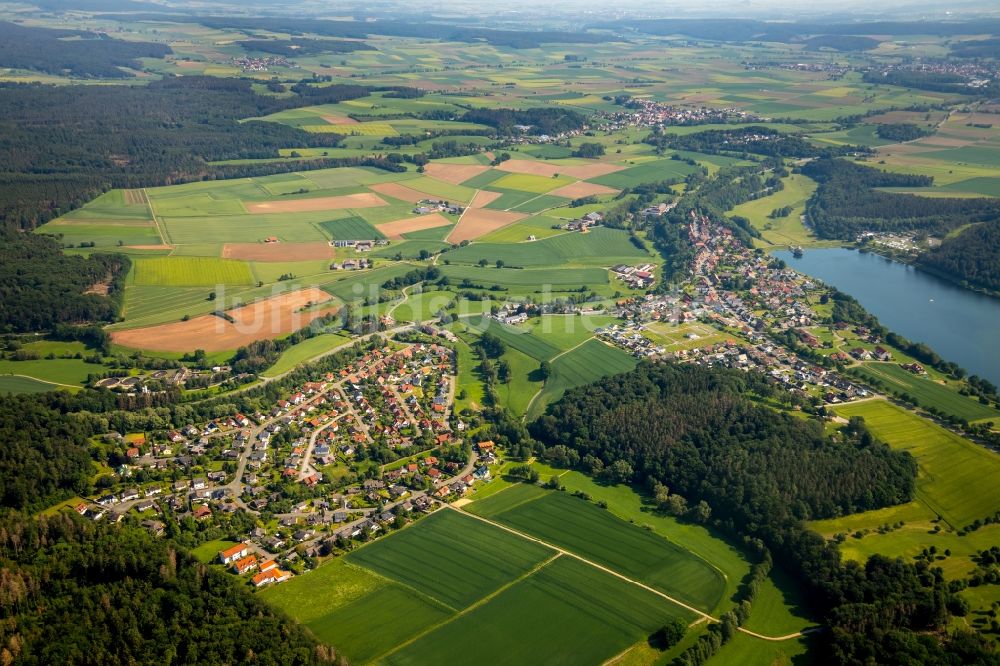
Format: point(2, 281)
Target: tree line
point(846, 202)
point(747, 139)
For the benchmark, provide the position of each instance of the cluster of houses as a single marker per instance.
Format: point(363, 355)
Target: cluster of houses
point(734, 288)
point(584, 223)
point(977, 73)
point(427, 206)
point(630, 338)
point(834, 70)
point(360, 245)
point(659, 210)
point(240, 560)
point(259, 63)
point(510, 314)
point(641, 112)
point(637, 277)
point(398, 397)
point(351, 265)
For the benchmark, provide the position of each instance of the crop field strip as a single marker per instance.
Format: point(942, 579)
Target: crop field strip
point(598, 536)
point(455, 572)
point(190, 272)
point(956, 478)
point(538, 583)
point(927, 392)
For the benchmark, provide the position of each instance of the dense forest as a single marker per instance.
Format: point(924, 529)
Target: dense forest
point(61, 146)
point(846, 202)
point(900, 131)
point(749, 139)
point(548, 120)
point(304, 47)
point(972, 257)
point(78, 53)
point(694, 434)
point(977, 48)
point(79, 592)
point(361, 29)
point(933, 81)
point(40, 287)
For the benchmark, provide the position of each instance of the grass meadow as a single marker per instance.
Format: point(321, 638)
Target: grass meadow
point(926, 392)
point(956, 478)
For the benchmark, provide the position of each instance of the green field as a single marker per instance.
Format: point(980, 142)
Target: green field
point(351, 228)
point(529, 183)
point(190, 272)
point(452, 584)
point(304, 351)
point(567, 613)
point(787, 230)
point(520, 339)
point(10, 384)
point(648, 172)
point(559, 279)
point(377, 622)
point(593, 533)
point(956, 478)
point(599, 247)
point(926, 392)
point(588, 363)
point(66, 371)
point(451, 558)
point(208, 552)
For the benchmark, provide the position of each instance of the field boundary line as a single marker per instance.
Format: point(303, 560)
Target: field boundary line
point(164, 238)
point(625, 578)
point(527, 410)
point(464, 211)
point(512, 506)
point(468, 609)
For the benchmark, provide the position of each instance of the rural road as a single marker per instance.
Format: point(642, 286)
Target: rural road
point(614, 573)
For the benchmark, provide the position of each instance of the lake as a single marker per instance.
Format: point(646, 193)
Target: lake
point(960, 325)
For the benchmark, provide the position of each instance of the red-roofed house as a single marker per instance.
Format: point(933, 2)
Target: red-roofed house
point(233, 553)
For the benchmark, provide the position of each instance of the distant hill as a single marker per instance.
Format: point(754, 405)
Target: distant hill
point(79, 53)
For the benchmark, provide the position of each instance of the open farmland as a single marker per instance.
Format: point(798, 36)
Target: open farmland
point(558, 279)
point(365, 200)
point(455, 173)
point(277, 251)
point(190, 272)
point(476, 222)
point(583, 365)
point(565, 602)
point(926, 392)
point(586, 530)
point(956, 477)
point(396, 229)
point(455, 572)
point(453, 582)
point(267, 318)
point(598, 247)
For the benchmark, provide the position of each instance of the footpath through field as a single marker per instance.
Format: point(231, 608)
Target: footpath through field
point(563, 551)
